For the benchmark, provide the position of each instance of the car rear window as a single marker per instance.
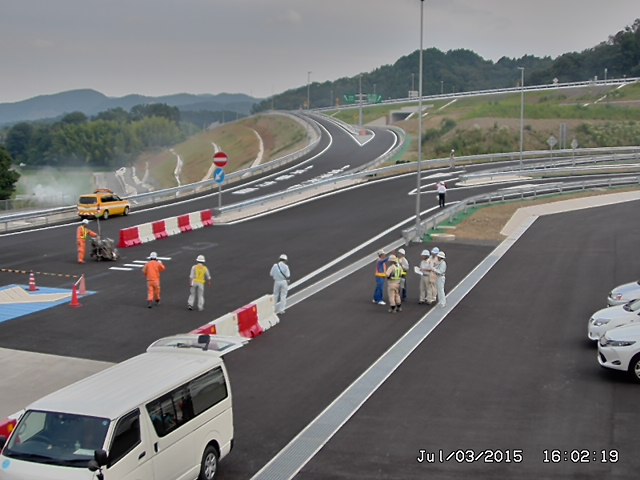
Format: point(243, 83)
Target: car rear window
point(87, 200)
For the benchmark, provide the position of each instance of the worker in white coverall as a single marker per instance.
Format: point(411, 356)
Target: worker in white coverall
point(425, 271)
point(440, 268)
point(432, 289)
point(198, 277)
point(281, 275)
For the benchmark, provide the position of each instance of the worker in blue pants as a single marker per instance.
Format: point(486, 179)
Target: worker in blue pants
point(381, 267)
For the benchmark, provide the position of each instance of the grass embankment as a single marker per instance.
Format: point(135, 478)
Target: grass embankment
point(596, 116)
point(279, 135)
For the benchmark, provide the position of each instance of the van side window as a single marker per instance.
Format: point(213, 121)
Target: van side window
point(208, 390)
point(187, 401)
point(125, 437)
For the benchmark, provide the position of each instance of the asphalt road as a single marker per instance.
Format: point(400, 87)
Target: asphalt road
point(510, 369)
point(488, 369)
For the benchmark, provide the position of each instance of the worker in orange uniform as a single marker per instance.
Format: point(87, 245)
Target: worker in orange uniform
point(152, 270)
point(81, 239)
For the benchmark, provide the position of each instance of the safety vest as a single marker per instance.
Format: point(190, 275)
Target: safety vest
point(200, 274)
point(397, 272)
point(83, 232)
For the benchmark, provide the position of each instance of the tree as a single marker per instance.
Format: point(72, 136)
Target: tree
point(18, 140)
point(8, 177)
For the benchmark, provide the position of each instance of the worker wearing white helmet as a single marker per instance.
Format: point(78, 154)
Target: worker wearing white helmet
point(152, 270)
point(432, 279)
point(404, 263)
point(394, 278)
point(425, 272)
point(281, 276)
point(82, 232)
point(440, 269)
point(198, 276)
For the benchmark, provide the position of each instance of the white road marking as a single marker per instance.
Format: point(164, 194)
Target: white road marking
point(121, 269)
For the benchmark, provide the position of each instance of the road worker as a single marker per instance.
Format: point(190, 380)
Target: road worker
point(152, 270)
point(442, 192)
point(404, 263)
point(198, 276)
point(81, 239)
point(425, 272)
point(281, 276)
point(452, 158)
point(394, 277)
point(432, 288)
point(381, 266)
point(440, 269)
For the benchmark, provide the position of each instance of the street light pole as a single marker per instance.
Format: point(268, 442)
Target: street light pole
point(360, 102)
point(419, 170)
point(521, 113)
point(308, 90)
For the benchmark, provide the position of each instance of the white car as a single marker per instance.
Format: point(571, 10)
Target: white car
point(619, 348)
point(612, 317)
point(624, 293)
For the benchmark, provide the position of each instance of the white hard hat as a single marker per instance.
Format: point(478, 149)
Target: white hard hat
point(441, 255)
point(425, 253)
point(380, 252)
point(153, 255)
point(200, 259)
point(85, 221)
point(393, 258)
point(284, 257)
point(401, 251)
point(435, 251)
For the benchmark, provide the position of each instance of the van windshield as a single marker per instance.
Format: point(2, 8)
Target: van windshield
point(57, 438)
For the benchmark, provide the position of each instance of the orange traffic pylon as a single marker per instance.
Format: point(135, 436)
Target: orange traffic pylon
point(75, 303)
point(32, 283)
point(83, 286)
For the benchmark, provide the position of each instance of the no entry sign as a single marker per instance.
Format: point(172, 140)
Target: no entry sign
point(220, 159)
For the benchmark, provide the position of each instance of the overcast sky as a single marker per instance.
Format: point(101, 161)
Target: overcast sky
point(262, 47)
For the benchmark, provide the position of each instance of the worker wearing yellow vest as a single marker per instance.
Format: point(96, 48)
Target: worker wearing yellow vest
point(394, 277)
point(198, 277)
point(81, 239)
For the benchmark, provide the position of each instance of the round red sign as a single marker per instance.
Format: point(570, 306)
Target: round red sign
point(220, 159)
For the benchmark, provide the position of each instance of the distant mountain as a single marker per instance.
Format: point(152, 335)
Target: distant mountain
point(91, 102)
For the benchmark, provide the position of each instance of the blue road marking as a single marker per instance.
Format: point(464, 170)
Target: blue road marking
point(14, 310)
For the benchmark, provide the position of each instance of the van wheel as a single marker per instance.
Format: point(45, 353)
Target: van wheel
point(126, 211)
point(209, 464)
point(105, 215)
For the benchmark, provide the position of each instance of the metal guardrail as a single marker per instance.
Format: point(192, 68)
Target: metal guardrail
point(54, 215)
point(501, 195)
point(496, 91)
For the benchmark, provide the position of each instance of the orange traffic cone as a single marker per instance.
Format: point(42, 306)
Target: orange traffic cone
point(83, 286)
point(74, 297)
point(32, 283)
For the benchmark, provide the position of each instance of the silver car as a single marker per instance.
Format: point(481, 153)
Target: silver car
point(624, 293)
point(612, 317)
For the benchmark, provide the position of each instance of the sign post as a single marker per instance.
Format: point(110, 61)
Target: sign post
point(220, 160)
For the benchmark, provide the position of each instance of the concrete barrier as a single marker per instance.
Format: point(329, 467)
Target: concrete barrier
point(267, 317)
point(149, 232)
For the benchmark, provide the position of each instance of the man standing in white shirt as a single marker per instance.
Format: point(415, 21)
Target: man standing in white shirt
point(281, 276)
point(442, 190)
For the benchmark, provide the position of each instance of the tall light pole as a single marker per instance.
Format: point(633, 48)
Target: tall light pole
point(521, 113)
point(308, 90)
point(419, 170)
point(360, 102)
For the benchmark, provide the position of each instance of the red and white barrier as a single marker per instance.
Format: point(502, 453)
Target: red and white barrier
point(249, 321)
point(148, 232)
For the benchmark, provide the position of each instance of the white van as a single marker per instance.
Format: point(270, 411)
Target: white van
point(163, 415)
